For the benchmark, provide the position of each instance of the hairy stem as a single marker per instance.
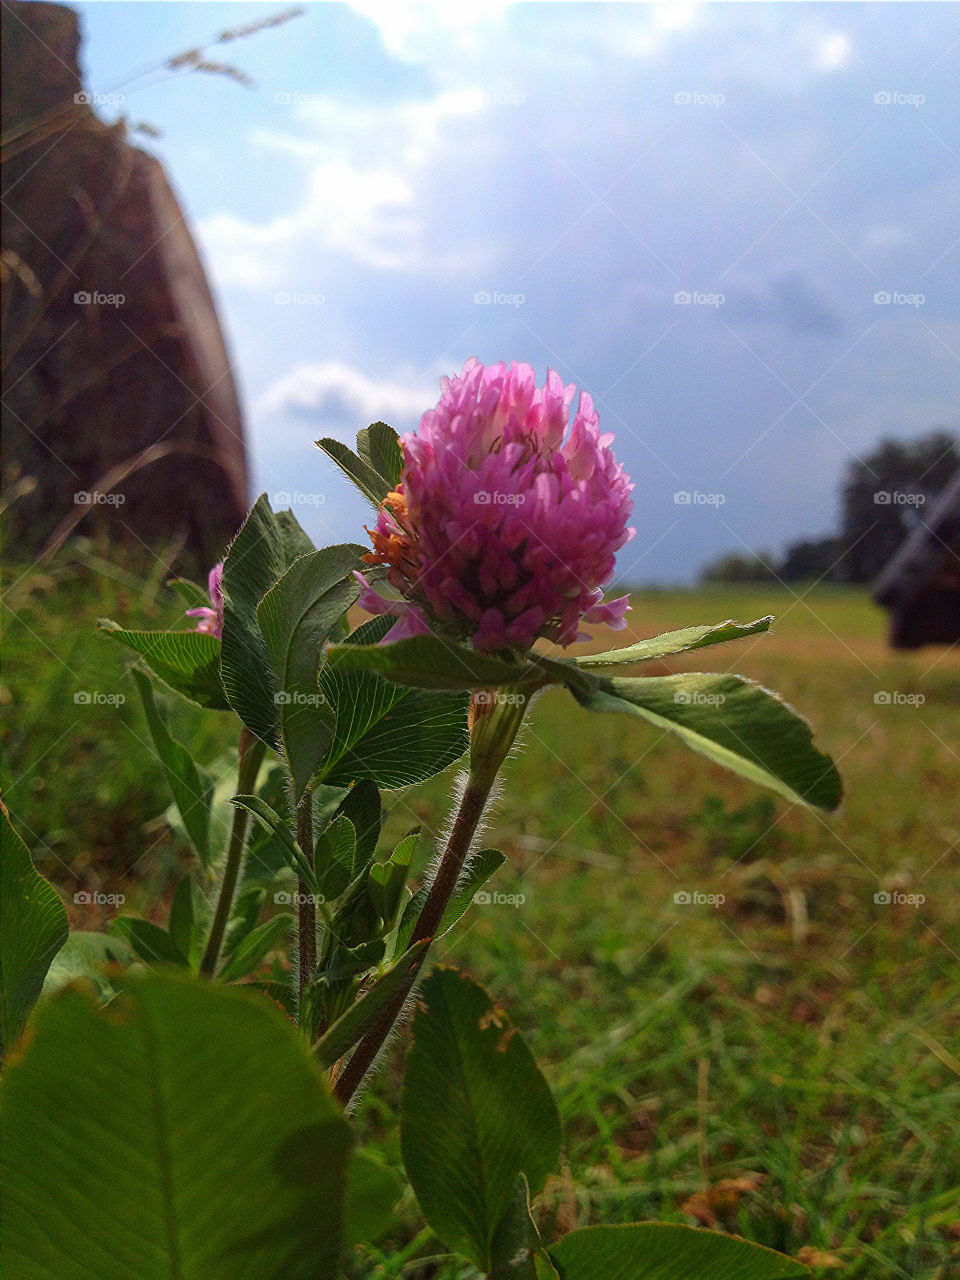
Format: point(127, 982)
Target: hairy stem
point(306, 908)
point(250, 758)
point(472, 805)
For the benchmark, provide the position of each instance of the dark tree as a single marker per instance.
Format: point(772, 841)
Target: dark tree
point(885, 493)
point(812, 560)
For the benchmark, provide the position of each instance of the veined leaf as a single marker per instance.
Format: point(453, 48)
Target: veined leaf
point(349, 1029)
point(673, 642)
point(33, 928)
point(235, 1156)
point(735, 723)
point(667, 1251)
point(187, 661)
point(369, 481)
point(379, 447)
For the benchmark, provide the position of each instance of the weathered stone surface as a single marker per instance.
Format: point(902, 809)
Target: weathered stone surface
point(113, 353)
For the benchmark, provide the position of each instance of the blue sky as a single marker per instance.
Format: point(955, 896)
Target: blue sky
point(582, 165)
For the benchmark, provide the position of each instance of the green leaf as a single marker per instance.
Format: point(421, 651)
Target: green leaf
point(379, 447)
point(673, 642)
point(271, 821)
point(667, 1251)
point(369, 481)
point(362, 806)
point(186, 1132)
point(372, 1191)
point(387, 879)
point(389, 733)
point(193, 595)
point(98, 958)
point(516, 1251)
point(187, 661)
point(431, 662)
point(259, 556)
point(476, 1114)
point(192, 790)
point(335, 852)
point(480, 869)
point(349, 1029)
point(151, 943)
point(258, 943)
point(296, 616)
point(33, 928)
point(735, 723)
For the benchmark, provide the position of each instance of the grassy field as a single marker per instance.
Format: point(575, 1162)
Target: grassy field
point(783, 1064)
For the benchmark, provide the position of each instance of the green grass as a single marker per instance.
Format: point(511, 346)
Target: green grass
point(798, 1042)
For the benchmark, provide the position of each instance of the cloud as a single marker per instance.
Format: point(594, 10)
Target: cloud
point(341, 397)
point(366, 168)
point(791, 303)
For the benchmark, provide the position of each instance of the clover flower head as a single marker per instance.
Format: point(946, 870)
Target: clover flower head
point(211, 617)
point(506, 520)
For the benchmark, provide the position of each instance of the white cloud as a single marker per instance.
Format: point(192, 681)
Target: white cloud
point(368, 166)
point(415, 31)
point(343, 398)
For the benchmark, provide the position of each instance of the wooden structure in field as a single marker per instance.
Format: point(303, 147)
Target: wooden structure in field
point(920, 587)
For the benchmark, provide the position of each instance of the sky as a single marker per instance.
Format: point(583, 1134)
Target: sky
point(735, 225)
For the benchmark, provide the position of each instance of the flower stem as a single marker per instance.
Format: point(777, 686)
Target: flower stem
point(306, 909)
point(250, 758)
point(491, 739)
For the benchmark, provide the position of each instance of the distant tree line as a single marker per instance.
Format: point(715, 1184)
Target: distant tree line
point(882, 496)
